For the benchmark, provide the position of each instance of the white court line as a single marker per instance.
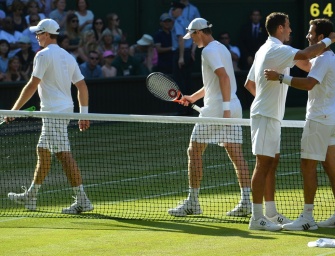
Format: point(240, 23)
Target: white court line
point(18, 218)
point(161, 174)
point(327, 253)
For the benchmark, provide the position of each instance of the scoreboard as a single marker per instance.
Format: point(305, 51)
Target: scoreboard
point(320, 9)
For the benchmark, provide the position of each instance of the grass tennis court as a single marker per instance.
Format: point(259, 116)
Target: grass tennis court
point(116, 227)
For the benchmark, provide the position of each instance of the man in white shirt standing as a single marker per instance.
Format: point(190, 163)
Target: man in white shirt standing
point(267, 112)
point(53, 72)
point(220, 100)
point(318, 138)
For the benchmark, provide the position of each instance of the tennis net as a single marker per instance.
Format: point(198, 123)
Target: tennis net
point(135, 167)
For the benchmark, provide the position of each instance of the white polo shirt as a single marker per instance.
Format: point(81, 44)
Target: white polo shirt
point(321, 99)
point(270, 95)
point(214, 56)
point(57, 69)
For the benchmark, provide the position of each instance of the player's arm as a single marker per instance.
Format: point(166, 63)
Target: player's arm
point(225, 90)
point(304, 65)
point(302, 83)
point(83, 103)
point(251, 87)
point(315, 49)
point(27, 92)
point(186, 99)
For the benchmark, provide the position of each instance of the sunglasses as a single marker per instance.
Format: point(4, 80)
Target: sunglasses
point(74, 21)
point(117, 19)
point(98, 23)
point(34, 20)
point(224, 37)
point(94, 58)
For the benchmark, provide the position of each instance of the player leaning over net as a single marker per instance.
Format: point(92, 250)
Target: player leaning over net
point(53, 71)
point(318, 138)
point(267, 112)
point(220, 100)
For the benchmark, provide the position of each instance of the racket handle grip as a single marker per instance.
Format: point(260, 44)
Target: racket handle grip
point(195, 107)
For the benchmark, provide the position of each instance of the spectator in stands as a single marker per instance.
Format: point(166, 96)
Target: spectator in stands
point(106, 42)
point(91, 68)
point(4, 51)
point(34, 19)
point(163, 43)
point(98, 27)
point(224, 38)
point(220, 101)
point(14, 72)
point(253, 35)
point(26, 56)
point(145, 53)
point(54, 72)
point(86, 45)
point(73, 33)
point(19, 20)
point(85, 15)
point(107, 69)
point(125, 64)
point(190, 12)
point(11, 35)
point(32, 8)
point(59, 14)
point(182, 50)
point(113, 23)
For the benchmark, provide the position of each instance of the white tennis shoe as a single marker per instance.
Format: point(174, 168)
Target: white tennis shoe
point(300, 224)
point(187, 207)
point(24, 198)
point(329, 223)
point(263, 224)
point(79, 206)
point(279, 219)
point(240, 210)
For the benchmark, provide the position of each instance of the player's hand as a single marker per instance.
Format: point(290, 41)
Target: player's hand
point(226, 114)
point(271, 75)
point(83, 125)
point(186, 100)
point(9, 119)
point(332, 36)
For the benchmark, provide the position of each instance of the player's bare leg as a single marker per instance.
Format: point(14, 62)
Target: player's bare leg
point(191, 205)
point(329, 167)
point(235, 153)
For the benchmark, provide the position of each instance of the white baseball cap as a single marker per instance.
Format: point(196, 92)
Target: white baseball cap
point(196, 24)
point(46, 25)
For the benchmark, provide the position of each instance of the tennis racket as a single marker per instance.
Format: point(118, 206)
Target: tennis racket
point(164, 88)
point(32, 108)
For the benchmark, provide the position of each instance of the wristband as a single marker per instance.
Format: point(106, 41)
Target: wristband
point(287, 80)
point(226, 105)
point(327, 41)
point(84, 109)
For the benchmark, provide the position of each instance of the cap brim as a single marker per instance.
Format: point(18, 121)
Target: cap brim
point(188, 35)
point(33, 29)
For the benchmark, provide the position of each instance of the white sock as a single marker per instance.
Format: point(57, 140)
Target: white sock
point(257, 211)
point(33, 190)
point(270, 209)
point(79, 191)
point(308, 211)
point(245, 195)
point(193, 194)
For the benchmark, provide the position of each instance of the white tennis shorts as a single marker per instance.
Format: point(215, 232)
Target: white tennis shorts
point(54, 135)
point(265, 135)
point(315, 140)
point(219, 134)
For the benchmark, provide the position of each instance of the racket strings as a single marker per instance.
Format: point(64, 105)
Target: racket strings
point(162, 87)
